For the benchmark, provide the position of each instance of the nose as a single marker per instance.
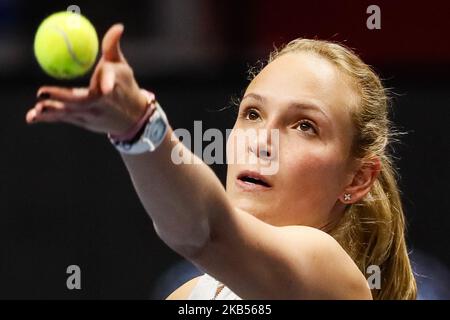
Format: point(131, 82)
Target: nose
point(263, 145)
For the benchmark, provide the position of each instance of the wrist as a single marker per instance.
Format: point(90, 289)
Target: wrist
point(132, 132)
point(149, 137)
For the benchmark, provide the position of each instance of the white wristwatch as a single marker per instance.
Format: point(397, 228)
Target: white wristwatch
point(153, 134)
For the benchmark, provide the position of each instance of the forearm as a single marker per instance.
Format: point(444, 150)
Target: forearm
point(182, 200)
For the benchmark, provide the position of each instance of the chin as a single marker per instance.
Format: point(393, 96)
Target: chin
point(256, 207)
point(263, 215)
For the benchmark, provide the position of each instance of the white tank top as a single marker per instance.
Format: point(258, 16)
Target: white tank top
point(206, 287)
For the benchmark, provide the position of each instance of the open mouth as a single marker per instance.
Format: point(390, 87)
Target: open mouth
point(250, 178)
point(254, 181)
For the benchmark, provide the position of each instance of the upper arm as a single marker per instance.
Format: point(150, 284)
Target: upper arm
point(259, 261)
point(183, 292)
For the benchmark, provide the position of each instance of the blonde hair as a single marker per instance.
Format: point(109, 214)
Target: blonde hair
point(372, 231)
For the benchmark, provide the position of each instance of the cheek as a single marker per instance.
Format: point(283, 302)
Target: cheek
point(313, 174)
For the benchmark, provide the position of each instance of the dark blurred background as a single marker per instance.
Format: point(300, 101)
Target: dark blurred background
point(65, 195)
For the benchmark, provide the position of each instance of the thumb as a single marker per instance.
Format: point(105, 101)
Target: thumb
point(111, 44)
point(107, 78)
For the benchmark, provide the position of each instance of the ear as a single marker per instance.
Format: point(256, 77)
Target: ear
point(362, 181)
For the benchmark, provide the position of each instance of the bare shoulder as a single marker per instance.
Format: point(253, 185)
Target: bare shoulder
point(330, 262)
point(183, 292)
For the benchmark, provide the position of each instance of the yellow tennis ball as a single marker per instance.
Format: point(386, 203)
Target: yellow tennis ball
point(66, 45)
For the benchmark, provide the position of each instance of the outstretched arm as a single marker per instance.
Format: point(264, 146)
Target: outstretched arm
point(182, 200)
point(189, 206)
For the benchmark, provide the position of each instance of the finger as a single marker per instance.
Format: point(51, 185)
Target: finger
point(68, 109)
point(75, 95)
point(94, 82)
point(111, 44)
point(30, 116)
point(50, 111)
point(107, 78)
point(49, 117)
point(54, 111)
point(50, 105)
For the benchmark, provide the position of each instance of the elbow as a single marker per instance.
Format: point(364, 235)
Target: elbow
point(188, 242)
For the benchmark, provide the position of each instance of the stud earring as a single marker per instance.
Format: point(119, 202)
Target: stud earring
point(347, 197)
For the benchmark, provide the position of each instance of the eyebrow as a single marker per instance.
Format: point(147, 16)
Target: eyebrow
point(295, 104)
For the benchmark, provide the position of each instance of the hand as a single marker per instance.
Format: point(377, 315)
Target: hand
point(112, 103)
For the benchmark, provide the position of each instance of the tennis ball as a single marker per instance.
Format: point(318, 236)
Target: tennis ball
point(66, 45)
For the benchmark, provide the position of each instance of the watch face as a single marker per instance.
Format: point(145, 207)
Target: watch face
point(151, 138)
point(157, 130)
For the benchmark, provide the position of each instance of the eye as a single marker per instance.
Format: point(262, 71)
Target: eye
point(250, 114)
point(307, 126)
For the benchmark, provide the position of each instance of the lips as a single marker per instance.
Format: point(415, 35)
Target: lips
point(251, 180)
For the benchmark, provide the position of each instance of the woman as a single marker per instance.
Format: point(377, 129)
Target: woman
point(311, 230)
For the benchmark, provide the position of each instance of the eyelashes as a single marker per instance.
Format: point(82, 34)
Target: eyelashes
point(246, 112)
point(305, 125)
point(308, 125)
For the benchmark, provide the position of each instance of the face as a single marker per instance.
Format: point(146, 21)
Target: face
point(307, 101)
